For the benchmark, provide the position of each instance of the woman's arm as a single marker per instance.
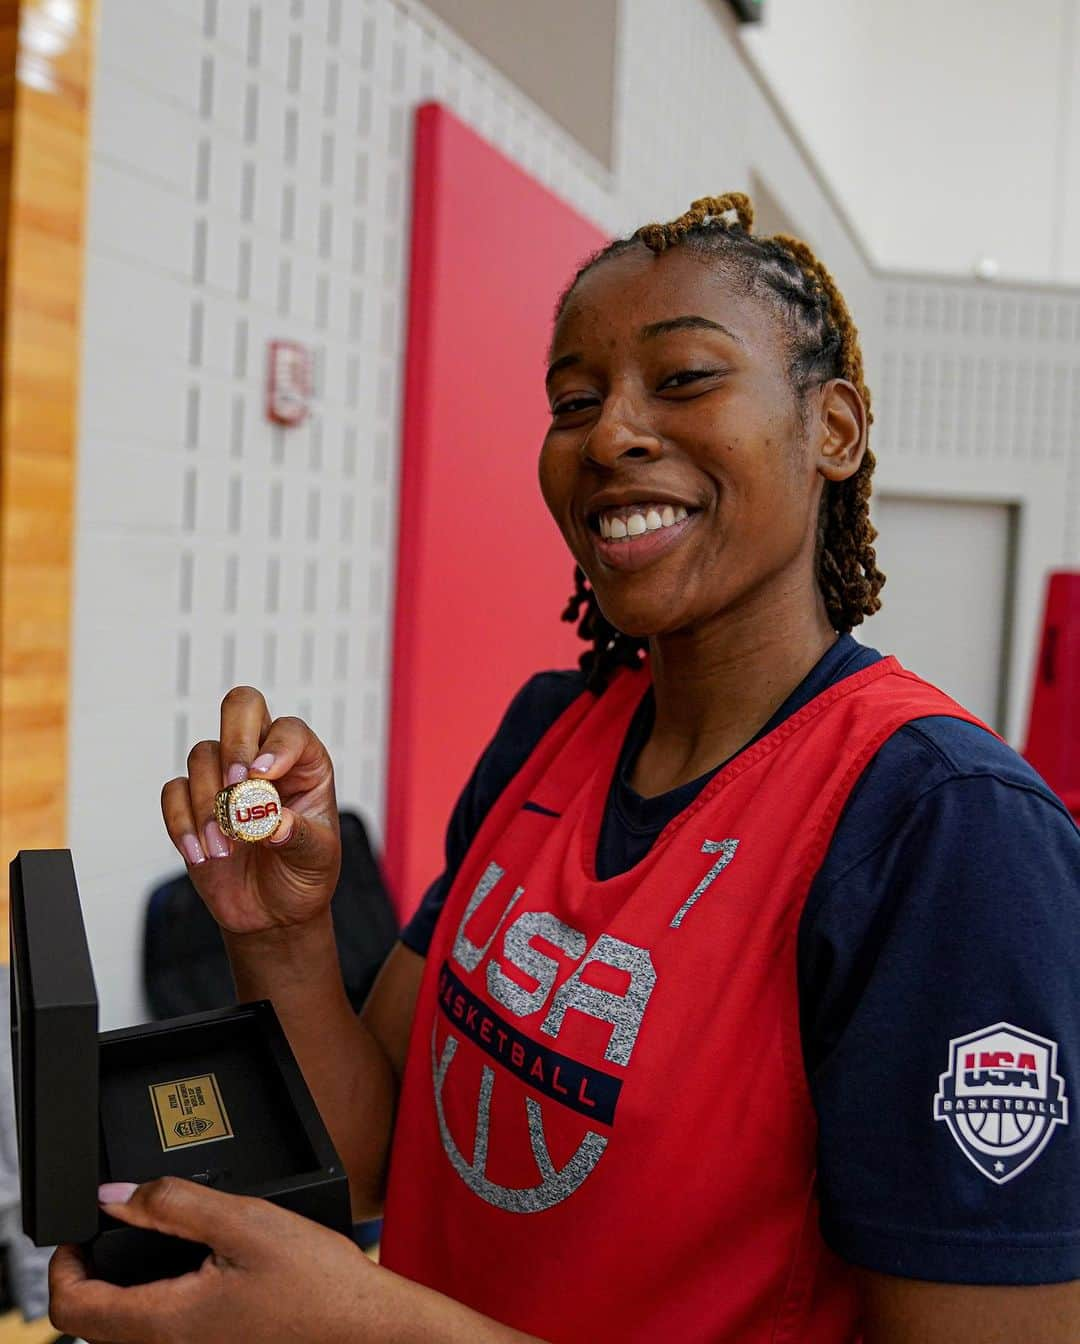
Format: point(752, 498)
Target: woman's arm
point(272, 1275)
point(910, 1311)
point(352, 1065)
point(272, 903)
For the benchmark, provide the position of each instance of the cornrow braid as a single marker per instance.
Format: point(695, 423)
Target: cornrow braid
point(822, 343)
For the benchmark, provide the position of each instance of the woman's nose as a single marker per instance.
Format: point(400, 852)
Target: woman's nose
point(619, 434)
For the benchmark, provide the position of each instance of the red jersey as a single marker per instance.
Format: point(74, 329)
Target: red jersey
point(605, 1130)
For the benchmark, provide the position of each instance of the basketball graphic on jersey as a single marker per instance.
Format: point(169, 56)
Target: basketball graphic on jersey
point(1002, 1098)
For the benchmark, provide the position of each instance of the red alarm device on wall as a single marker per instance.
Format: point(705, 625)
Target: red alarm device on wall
point(1053, 743)
point(288, 382)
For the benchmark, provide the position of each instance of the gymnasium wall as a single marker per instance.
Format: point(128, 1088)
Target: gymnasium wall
point(250, 179)
point(978, 399)
point(952, 132)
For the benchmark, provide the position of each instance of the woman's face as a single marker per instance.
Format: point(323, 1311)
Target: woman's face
point(677, 464)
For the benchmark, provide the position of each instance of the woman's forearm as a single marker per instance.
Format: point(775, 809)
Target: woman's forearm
point(347, 1070)
point(404, 1312)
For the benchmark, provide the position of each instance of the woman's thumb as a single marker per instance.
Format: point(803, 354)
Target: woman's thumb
point(307, 842)
point(184, 1209)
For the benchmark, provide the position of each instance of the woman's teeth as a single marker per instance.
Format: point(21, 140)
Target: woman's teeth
point(618, 524)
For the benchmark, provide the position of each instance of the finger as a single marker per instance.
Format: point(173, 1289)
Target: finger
point(244, 721)
point(180, 821)
point(229, 1224)
point(90, 1309)
point(82, 1306)
point(310, 845)
point(289, 747)
point(204, 784)
point(67, 1268)
point(289, 835)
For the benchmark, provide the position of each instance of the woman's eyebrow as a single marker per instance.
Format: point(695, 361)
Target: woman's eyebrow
point(564, 362)
point(688, 322)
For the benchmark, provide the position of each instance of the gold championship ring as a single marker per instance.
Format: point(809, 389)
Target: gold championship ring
point(250, 810)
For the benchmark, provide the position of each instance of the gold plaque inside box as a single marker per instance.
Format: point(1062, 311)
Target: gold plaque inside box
point(189, 1111)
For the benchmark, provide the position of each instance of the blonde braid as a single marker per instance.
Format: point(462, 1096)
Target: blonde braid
point(708, 210)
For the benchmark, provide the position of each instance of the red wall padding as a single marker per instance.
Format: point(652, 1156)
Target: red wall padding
point(482, 570)
point(1053, 744)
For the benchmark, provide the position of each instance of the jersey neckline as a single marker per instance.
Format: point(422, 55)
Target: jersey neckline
point(600, 784)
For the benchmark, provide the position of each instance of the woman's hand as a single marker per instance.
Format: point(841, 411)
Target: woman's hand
point(272, 1275)
point(255, 888)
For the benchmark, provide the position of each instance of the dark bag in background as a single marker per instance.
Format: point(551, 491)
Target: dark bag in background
point(185, 969)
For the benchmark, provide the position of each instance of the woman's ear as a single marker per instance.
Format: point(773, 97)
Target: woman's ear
point(842, 430)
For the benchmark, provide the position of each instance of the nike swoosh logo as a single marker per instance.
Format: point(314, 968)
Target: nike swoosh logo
point(535, 807)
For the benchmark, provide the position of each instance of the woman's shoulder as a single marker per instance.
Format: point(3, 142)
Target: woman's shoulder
point(549, 692)
point(948, 747)
point(533, 710)
point(936, 748)
point(952, 778)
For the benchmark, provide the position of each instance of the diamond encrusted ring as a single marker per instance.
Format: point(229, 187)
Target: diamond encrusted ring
point(250, 810)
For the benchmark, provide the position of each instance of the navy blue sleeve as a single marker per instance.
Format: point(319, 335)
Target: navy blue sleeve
point(939, 965)
point(532, 712)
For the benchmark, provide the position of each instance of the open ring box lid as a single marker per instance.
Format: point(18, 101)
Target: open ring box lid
point(214, 1097)
point(54, 1050)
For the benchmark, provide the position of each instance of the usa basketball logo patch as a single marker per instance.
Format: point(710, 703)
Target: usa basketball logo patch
point(1002, 1098)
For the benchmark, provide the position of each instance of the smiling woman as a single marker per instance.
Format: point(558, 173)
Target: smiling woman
point(814, 341)
point(747, 1005)
point(701, 895)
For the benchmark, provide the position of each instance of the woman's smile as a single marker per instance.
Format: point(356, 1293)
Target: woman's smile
point(633, 537)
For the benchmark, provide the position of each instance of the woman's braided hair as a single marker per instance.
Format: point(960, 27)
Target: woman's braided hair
point(822, 343)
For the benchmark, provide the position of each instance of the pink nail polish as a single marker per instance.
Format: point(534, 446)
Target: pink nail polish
point(116, 1192)
point(263, 763)
point(192, 850)
point(283, 832)
point(237, 774)
point(217, 846)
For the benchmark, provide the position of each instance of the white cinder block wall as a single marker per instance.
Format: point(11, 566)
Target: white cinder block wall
point(250, 179)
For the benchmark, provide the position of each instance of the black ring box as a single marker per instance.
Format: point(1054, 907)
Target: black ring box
point(145, 1101)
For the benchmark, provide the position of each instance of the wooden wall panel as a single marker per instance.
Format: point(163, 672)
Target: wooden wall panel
point(46, 49)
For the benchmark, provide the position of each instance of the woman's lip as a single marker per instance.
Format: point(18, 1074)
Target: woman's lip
point(637, 552)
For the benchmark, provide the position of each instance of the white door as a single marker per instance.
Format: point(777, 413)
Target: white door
point(946, 608)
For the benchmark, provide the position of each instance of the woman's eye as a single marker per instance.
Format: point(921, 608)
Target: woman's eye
point(575, 404)
point(685, 376)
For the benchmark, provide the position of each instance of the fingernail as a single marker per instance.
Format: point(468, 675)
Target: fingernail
point(216, 844)
point(263, 763)
point(237, 774)
point(116, 1192)
point(192, 849)
point(283, 831)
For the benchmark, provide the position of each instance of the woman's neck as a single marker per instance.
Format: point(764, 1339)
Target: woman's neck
point(718, 685)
